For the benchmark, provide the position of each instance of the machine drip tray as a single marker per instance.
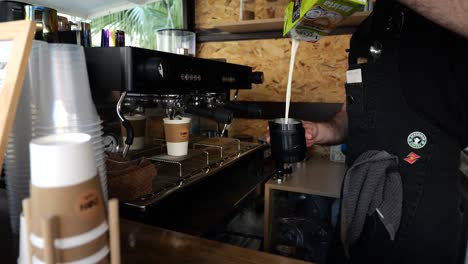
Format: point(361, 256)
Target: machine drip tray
point(183, 166)
point(226, 146)
point(206, 156)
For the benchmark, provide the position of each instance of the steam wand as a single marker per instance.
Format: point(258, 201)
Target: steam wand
point(127, 125)
point(226, 125)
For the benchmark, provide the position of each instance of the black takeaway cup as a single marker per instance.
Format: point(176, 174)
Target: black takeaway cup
point(288, 144)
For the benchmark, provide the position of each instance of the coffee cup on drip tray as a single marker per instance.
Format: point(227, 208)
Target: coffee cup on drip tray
point(176, 132)
point(138, 122)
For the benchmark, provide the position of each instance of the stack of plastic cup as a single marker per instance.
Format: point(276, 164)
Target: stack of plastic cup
point(55, 99)
point(17, 168)
point(66, 106)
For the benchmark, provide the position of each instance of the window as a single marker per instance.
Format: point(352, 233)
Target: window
point(141, 23)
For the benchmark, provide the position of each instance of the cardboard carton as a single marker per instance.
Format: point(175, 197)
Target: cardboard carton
point(310, 20)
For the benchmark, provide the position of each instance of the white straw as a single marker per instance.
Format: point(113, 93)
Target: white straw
point(294, 47)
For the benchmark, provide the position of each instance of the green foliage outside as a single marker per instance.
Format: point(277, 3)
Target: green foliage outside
point(141, 23)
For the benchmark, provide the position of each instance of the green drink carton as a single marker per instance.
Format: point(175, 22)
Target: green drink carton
point(310, 20)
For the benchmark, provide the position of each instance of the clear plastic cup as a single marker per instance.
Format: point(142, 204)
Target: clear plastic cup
point(19, 187)
point(81, 126)
point(92, 131)
point(17, 168)
point(67, 100)
point(176, 41)
point(94, 135)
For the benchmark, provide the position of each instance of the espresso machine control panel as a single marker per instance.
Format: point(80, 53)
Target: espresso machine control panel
point(142, 71)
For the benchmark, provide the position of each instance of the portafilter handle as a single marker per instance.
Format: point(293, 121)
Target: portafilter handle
point(218, 114)
point(249, 109)
point(126, 124)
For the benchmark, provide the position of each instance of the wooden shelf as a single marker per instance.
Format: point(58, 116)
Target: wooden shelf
point(250, 26)
point(276, 24)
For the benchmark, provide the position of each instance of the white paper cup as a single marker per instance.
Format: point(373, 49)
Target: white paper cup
point(177, 133)
point(61, 160)
point(65, 184)
point(23, 243)
point(67, 100)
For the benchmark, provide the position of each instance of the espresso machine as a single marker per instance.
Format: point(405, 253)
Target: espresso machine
point(194, 193)
point(179, 84)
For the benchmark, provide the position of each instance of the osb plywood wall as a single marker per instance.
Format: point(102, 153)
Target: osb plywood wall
point(320, 68)
point(212, 12)
point(319, 71)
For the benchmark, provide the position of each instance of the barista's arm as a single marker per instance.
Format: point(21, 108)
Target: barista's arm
point(450, 14)
point(331, 132)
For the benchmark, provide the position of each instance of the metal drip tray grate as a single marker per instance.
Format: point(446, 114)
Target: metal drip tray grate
point(225, 146)
point(183, 166)
point(206, 156)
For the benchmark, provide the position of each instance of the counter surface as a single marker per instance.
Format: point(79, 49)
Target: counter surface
point(315, 177)
point(148, 244)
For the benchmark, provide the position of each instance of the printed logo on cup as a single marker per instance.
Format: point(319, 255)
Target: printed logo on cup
point(184, 133)
point(88, 205)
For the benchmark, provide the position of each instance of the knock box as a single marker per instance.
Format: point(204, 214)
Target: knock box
point(310, 20)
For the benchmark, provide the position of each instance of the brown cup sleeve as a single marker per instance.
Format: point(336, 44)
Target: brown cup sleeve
point(79, 208)
point(176, 133)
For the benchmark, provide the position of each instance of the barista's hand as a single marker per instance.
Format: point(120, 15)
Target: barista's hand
point(311, 130)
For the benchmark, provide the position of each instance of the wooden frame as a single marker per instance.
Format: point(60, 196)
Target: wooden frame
point(15, 45)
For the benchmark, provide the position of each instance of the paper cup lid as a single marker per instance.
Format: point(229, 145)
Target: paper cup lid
point(62, 160)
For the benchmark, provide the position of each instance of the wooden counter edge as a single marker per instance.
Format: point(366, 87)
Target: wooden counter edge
point(207, 248)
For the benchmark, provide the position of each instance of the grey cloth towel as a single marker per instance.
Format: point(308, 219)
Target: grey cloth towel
point(371, 185)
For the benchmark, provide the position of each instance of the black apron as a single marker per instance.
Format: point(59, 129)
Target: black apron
point(380, 119)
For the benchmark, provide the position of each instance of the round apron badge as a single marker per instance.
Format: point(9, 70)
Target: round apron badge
point(417, 140)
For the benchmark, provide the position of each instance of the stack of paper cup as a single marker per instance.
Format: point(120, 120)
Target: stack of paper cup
point(65, 184)
point(17, 168)
point(66, 106)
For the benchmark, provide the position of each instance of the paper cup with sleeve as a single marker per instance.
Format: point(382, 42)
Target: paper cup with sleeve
point(176, 132)
point(138, 123)
point(65, 184)
point(23, 257)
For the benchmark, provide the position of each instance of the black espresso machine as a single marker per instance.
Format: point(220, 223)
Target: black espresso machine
point(196, 193)
point(173, 82)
